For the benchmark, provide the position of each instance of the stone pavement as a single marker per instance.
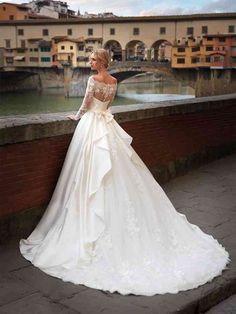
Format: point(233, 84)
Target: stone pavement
point(207, 196)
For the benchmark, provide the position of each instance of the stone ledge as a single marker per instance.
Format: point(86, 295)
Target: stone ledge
point(15, 129)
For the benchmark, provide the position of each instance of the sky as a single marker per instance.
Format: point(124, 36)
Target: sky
point(149, 7)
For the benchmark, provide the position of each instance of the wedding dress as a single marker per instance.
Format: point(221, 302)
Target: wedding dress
point(109, 224)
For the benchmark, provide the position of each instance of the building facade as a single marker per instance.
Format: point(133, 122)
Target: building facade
point(13, 11)
point(127, 38)
point(210, 51)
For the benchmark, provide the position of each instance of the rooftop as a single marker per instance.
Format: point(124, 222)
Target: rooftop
point(125, 19)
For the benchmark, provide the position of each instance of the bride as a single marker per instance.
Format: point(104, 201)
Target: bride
point(109, 225)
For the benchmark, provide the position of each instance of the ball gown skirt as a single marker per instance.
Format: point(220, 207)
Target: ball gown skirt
point(109, 224)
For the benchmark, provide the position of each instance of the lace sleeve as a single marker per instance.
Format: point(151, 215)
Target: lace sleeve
point(112, 96)
point(88, 97)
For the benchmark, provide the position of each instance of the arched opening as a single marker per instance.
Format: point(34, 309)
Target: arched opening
point(115, 49)
point(136, 51)
point(161, 51)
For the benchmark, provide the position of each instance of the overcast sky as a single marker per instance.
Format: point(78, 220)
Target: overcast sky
point(149, 7)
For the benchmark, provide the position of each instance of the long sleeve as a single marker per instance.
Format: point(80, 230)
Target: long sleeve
point(88, 97)
point(111, 100)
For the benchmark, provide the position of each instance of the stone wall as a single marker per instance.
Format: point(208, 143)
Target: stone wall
point(171, 140)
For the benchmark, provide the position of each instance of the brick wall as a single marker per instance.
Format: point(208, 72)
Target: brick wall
point(170, 140)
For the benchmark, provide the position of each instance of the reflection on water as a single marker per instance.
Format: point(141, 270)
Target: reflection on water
point(53, 100)
point(162, 87)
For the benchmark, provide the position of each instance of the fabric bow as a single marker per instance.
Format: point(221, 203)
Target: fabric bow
point(106, 114)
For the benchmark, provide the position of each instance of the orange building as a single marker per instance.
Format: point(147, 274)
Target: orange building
point(211, 51)
point(13, 11)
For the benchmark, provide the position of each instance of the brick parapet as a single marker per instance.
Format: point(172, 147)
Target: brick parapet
point(171, 138)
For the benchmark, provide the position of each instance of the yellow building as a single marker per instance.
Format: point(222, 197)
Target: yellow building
point(212, 50)
point(67, 52)
point(13, 11)
point(76, 51)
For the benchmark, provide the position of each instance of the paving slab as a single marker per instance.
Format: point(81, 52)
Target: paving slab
point(206, 196)
point(226, 307)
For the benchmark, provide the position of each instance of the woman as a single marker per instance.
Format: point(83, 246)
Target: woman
point(109, 225)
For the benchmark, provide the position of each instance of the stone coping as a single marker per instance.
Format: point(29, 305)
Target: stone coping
point(22, 128)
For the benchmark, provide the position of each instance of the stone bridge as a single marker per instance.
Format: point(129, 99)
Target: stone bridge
point(205, 81)
point(123, 70)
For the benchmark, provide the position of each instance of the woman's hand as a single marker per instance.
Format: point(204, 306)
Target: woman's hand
point(73, 117)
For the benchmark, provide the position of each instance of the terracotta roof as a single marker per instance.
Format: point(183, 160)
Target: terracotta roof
point(93, 38)
point(39, 16)
point(219, 35)
point(34, 39)
point(20, 6)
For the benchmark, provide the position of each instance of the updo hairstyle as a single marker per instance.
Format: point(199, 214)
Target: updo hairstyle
point(103, 56)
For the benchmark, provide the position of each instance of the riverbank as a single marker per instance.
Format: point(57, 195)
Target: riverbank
point(53, 99)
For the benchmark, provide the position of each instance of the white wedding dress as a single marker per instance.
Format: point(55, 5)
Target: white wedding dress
point(109, 224)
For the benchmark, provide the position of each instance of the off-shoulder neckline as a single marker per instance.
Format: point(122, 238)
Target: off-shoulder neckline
point(113, 84)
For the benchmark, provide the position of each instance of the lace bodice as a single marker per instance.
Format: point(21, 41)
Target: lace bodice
point(99, 90)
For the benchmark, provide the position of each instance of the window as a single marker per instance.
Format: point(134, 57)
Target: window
point(4, 8)
point(11, 17)
point(69, 31)
point(180, 60)
point(181, 49)
point(204, 29)
point(209, 38)
point(45, 32)
point(35, 49)
point(195, 49)
point(209, 48)
point(22, 43)
point(90, 32)
point(62, 47)
point(208, 59)
point(82, 58)
point(135, 31)
point(81, 47)
point(20, 32)
point(162, 30)
point(45, 59)
point(34, 59)
point(222, 39)
point(89, 49)
point(112, 31)
point(231, 29)
point(45, 49)
point(190, 30)
point(25, 17)
point(218, 59)
point(195, 60)
point(9, 60)
point(71, 47)
point(7, 43)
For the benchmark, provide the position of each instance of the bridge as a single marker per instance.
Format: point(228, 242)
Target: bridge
point(123, 70)
point(205, 81)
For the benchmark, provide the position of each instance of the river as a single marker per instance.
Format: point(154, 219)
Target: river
point(53, 100)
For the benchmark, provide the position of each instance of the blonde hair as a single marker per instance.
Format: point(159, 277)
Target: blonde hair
point(103, 56)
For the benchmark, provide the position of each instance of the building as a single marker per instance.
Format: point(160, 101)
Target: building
point(50, 8)
point(208, 51)
point(13, 11)
point(127, 38)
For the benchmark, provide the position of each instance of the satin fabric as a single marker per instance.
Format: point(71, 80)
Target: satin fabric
point(109, 224)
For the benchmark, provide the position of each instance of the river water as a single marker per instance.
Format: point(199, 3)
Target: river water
point(53, 100)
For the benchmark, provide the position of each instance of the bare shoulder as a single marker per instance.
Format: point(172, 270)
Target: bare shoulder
point(107, 79)
point(114, 80)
